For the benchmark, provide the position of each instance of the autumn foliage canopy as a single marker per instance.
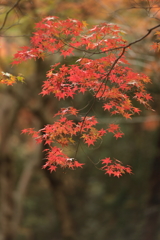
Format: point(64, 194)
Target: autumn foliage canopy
point(102, 70)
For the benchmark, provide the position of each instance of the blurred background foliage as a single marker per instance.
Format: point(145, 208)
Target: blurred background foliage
point(82, 204)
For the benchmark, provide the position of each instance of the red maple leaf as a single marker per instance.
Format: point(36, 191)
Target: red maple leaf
point(136, 110)
point(117, 174)
point(106, 161)
point(148, 97)
point(127, 115)
point(52, 168)
point(24, 131)
point(77, 164)
point(113, 127)
point(107, 106)
point(109, 172)
point(90, 141)
point(118, 135)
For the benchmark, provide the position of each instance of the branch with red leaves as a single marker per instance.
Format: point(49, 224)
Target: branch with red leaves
point(108, 78)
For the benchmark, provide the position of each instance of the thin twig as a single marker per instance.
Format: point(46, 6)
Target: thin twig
point(7, 13)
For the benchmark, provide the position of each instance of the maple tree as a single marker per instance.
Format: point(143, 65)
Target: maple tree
point(102, 70)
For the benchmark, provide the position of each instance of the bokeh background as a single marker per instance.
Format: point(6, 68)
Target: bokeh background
point(85, 203)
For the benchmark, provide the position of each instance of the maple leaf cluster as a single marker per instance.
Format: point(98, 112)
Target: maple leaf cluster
point(9, 79)
point(101, 70)
point(63, 132)
point(115, 167)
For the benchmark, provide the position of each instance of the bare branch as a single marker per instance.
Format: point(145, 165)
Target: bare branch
point(134, 42)
point(7, 13)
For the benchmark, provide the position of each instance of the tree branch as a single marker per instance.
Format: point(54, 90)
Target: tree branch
point(108, 74)
point(7, 13)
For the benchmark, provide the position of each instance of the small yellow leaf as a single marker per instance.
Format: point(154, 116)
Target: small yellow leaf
point(84, 23)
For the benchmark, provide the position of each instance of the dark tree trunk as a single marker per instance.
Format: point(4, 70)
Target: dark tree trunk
point(153, 208)
point(7, 202)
